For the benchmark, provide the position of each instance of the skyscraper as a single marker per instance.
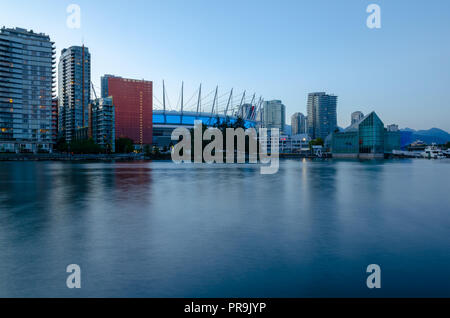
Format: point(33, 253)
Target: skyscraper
point(74, 91)
point(104, 85)
point(133, 101)
point(298, 123)
point(356, 116)
point(55, 120)
point(274, 115)
point(26, 89)
point(322, 117)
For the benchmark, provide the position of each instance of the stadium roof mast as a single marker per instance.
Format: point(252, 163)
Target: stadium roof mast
point(214, 101)
point(182, 102)
point(229, 101)
point(199, 99)
point(164, 101)
point(242, 102)
point(251, 103)
point(257, 109)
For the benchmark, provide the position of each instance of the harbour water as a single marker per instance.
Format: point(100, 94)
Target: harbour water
point(157, 229)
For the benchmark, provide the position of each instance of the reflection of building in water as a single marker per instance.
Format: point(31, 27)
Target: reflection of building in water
point(132, 181)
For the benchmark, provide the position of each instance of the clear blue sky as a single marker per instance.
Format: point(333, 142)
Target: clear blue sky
point(278, 49)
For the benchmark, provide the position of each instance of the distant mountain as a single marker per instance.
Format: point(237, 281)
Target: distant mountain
point(433, 135)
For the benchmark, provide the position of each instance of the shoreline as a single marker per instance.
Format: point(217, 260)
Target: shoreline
point(70, 157)
point(132, 157)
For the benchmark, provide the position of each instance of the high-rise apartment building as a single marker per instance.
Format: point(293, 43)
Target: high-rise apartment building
point(26, 89)
point(356, 116)
point(322, 117)
point(298, 124)
point(133, 101)
point(55, 120)
point(104, 85)
point(74, 91)
point(102, 123)
point(274, 115)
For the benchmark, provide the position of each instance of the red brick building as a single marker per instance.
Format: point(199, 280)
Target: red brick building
point(133, 100)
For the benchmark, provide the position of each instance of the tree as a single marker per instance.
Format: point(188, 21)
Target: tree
point(239, 123)
point(147, 151)
point(124, 145)
point(86, 146)
point(61, 145)
point(156, 151)
point(316, 142)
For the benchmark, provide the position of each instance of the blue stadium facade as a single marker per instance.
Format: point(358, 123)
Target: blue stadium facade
point(164, 122)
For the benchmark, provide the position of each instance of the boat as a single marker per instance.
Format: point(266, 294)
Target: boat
point(432, 152)
point(406, 154)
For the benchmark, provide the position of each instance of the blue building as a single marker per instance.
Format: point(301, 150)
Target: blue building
point(322, 116)
point(74, 92)
point(104, 85)
point(365, 139)
point(164, 122)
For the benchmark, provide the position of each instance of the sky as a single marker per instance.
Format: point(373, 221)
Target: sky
point(276, 49)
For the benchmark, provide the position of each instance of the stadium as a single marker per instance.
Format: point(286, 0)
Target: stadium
point(211, 109)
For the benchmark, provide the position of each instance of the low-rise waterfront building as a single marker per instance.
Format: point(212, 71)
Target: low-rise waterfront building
point(295, 144)
point(102, 123)
point(365, 139)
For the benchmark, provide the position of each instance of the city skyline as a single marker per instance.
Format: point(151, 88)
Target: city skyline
point(402, 78)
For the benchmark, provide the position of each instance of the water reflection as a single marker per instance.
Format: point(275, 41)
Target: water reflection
point(156, 229)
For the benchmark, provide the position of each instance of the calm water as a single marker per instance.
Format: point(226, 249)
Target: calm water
point(165, 230)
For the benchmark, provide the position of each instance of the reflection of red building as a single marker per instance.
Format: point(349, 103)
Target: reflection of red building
point(133, 100)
